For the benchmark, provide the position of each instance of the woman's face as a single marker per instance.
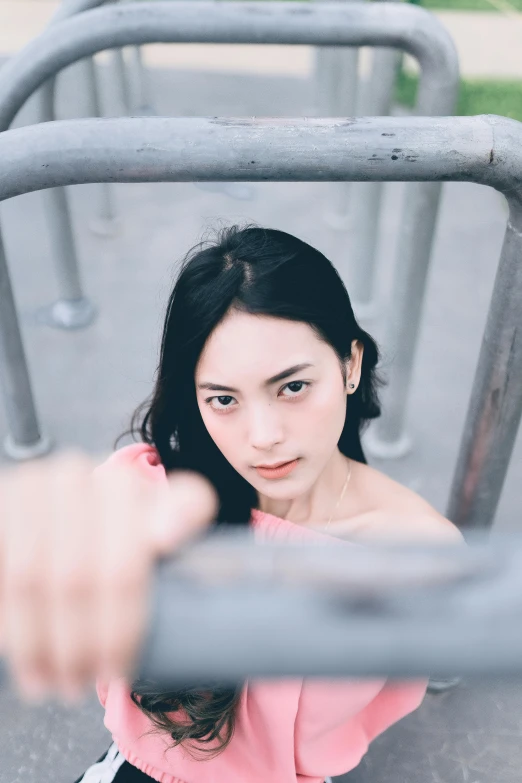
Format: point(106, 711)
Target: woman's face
point(256, 420)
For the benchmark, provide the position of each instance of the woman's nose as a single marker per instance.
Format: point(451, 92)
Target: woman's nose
point(265, 429)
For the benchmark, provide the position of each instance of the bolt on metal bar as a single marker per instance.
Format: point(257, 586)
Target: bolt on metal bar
point(406, 27)
point(485, 149)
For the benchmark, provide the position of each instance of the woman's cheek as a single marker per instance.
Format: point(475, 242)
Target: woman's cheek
point(326, 407)
point(223, 434)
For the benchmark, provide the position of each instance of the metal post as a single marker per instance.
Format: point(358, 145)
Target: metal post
point(72, 310)
point(386, 437)
point(374, 101)
point(119, 77)
point(140, 78)
point(336, 93)
point(25, 439)
point(495, 408)
point(106, 224)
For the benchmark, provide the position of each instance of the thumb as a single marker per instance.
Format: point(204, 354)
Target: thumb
point(186, 505)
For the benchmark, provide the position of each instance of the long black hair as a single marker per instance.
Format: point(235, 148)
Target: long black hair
point(263, 272)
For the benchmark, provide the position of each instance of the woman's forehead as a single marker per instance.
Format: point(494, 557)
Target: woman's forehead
point(260, 341)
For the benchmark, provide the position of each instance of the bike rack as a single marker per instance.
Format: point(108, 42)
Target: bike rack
point(396, 25)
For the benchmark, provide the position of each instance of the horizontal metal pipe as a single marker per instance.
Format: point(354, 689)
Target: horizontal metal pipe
point(230, 609)
point(286, 22)
point(484, 149)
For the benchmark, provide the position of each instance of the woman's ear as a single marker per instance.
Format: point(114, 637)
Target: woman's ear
point(348, 365)
point(354, 366)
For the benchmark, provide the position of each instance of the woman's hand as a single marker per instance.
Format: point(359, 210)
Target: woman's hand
point(77, 549)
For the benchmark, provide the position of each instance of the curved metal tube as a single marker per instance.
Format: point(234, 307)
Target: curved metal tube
point(391, 25)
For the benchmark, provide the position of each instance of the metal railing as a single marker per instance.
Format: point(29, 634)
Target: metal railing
point(229, 609)
point(349, 24)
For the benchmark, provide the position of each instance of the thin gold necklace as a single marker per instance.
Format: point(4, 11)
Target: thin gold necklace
point(342, 494)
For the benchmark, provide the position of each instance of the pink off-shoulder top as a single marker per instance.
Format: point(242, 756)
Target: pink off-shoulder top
point(287, 730)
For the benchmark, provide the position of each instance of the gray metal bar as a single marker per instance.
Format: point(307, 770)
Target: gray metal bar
point(69, 8)
point(486, 150)
point(336, 92)
point(141, 82)
point(119, 71)
point(59, 220)
point(94, 109)
point(73, 309)
point(140, 79)
point(229, 609)
point(386, 437)
point(337, 97)
point(494, 412)
point(24, 439)
point(375, 100)
point(398, 25)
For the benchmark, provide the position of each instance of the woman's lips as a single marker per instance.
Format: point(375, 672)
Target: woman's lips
point(280, 472)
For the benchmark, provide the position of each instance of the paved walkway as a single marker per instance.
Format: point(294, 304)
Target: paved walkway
point(489, 44)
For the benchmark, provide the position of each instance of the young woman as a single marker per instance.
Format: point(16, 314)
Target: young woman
point(265, 383)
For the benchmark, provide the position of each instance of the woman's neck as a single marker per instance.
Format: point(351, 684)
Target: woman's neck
point(315, 505)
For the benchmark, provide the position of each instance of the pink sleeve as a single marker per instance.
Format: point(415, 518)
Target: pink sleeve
point(396, 700)
point(146, 459)
point(102, 689)
point(338, 719)
point(141, 455)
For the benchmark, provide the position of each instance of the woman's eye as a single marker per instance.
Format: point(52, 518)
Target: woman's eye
point(221, 398)
point(224, 400)
point(293, 384)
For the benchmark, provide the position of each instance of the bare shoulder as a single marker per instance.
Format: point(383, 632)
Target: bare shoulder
point(390, 509)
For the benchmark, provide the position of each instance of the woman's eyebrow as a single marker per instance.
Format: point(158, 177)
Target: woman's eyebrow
point(279, 377)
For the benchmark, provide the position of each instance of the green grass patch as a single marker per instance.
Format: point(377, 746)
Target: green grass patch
point(469, 5)
point(476, 96)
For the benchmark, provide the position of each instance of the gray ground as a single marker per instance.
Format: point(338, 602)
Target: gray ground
point(88, 382)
